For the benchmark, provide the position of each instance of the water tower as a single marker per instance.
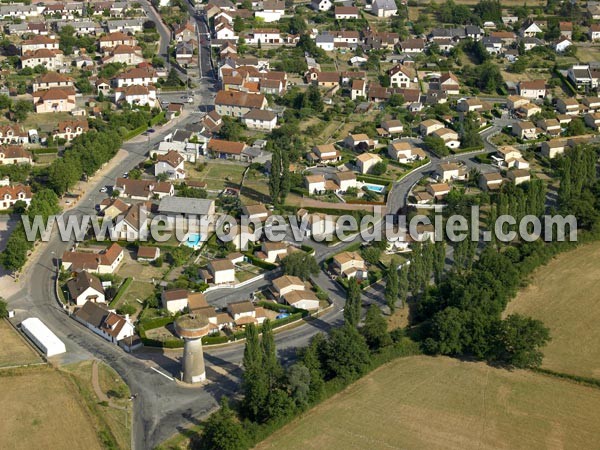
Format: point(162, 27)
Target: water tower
point(191, 328)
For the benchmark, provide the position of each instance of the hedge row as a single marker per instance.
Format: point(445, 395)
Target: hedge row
point(124, 286)
point(259, 262)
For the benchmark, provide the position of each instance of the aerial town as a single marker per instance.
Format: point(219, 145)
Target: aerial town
point(212, 121)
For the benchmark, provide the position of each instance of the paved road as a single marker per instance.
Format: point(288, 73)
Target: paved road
point(163, 30)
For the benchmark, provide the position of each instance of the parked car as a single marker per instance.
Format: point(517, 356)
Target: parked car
point(103, 189)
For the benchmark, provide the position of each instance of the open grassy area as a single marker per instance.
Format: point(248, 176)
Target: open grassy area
point(113, 421)
point(565, 295)
point(15, 350)
point(217, 175)
point(43, 410)
point(424, 402)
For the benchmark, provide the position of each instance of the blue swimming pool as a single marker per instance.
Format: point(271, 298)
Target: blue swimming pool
point(374, 187)
point(193, 240)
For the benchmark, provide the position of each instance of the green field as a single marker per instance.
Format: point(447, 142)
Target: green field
point(565, 295)
point(217, 175)
point(424, 402)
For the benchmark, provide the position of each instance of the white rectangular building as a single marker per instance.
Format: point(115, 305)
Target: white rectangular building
point(42, 337)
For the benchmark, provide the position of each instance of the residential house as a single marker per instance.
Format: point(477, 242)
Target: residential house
point(52, 80)
point(226, 149)
point(490, 181)
point(359, 89)
point(264, 36)
point(404, 152)
point(260, 119)
point(360, 142)
point(126, 26)
point(142, 76)
point(256, 213)
point(345, 180)
point(113, 40)
point(514, 102)
point(525, 130)
point(9, 195)
point(566, 29)
point(238, 104)
point(366, 161)
point(104, 262)
point(451, 171)
point(384, 8)
point(551, 127)
point(272, 251)
point(438, 190)
point(105, 323)
point(50, 59)
point(222, 271)
point(124, 54)
point(562, 44)
point(302, 299)
point(315, 183)
point(174, 300)
point(185, 212)
point(185, 32)
point(15, 154)
point(171, 164)
point(85, 287)
point(54, 100)
point(535, 89)
point(400, 76)
point(412, 46)
point(594, 32)
point(519, 176)
point(39, 43)
point(243, 313)
point(450, 137)
point(326, 153)
point(530, 30)
point(346, 12)
point(393, 126)
point(13, 133)
point(272, 11)
point(528, 110)
point(568, 106)
point(449, 84)
point(349, 265)
point(429, 126)
point(137, 94)
point(147, 254)
point(143, 189)
point(554, 147)
point(328, 79)
point(592, 103)
point(70, 129)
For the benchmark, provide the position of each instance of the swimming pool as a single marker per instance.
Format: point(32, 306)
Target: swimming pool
point(193, 240)
point(374, 187)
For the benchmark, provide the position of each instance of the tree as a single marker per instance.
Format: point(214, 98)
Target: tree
point(298, 380)
point(391, 286)
point(275, 176)
point(300, 264)
point(469, 132)
point(353, 303)
point(222, 430)
point(518, 341)
point(403, 285)
point(379, 168)
point(269, 355)
point(311, 357)
point(67, 39)
point(576, 127)
point(15, 253)
point(3, 309)
point(345, 354)
point(447, 332)
point(439, 261)
point(238, 24)
point(436, 145)
point(254, 383)
point(21, 109)
point(375, 329)
point(314, 98)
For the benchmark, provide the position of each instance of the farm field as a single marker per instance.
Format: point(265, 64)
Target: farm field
point(424, 402)
point(45, 411)
point(565, 295)
point(15, 351)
